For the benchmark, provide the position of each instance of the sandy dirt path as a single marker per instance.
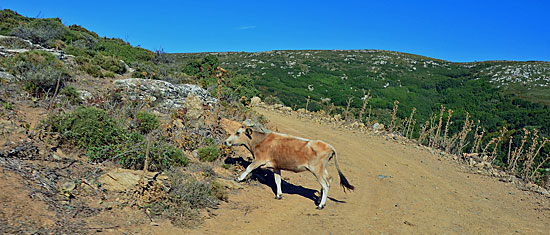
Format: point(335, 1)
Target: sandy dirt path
point(422, 194)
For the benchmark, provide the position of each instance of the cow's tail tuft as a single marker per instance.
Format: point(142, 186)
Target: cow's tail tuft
point(343, 181)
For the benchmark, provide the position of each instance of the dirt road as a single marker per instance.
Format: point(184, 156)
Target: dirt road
point(400, 189)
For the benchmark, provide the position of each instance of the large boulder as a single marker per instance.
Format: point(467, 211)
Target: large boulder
point(121, 180)
point(162, 94)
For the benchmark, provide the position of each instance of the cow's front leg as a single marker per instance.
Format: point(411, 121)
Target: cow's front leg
point(277, 174)
point(250, 168)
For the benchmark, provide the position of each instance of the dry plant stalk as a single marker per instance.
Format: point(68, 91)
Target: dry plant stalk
point(412, 129)
point(492, 141)
point(409, 121)
point(346, 113)
point(307, 102)
point(331, 109)
point(423, 132)
point(395, 106)
point(220, 75)
point(368, 118)
point(532, 154)
point(431, 137)
point(451, 143)
point(517, 152)
point(501, 137)
point(464, 132)
point(510, 148)
point(365, 99)
point(437, 136)
point(147, 149)
point(450, 114)
point(477, 138)
point(532, 176)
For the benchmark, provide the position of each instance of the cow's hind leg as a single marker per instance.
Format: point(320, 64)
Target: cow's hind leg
point(250, 168)
point(324, 194)
point(324, 182)
point(277, 175)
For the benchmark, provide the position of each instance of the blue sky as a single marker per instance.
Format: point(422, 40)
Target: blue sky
point(458, 31)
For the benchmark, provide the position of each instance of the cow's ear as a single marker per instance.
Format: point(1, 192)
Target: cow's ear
point(248, 133)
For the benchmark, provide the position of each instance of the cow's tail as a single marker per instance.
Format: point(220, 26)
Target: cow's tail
point(343, 181)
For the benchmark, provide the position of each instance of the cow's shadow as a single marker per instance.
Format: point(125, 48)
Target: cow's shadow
point(267, 177)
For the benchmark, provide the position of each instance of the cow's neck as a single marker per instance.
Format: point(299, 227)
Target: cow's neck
point(256, 140)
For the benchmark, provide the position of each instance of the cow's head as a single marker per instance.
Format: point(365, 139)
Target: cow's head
point(245, 134)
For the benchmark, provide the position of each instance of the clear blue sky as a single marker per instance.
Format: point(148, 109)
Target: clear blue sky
point(452, 30)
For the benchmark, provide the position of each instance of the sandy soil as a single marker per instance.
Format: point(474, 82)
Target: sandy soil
point(422, 194)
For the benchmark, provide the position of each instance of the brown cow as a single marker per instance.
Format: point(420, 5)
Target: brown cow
point(278, 152)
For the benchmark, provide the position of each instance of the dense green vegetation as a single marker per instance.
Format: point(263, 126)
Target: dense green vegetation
point(104, 138)
point(96, 56)
point(489, 91)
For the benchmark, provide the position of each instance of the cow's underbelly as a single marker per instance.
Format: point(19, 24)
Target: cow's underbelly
point(290, 163)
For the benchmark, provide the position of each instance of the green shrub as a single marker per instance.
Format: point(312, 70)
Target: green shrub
point(117, 48)
point(272, 100)
point(109, 74)
point(86, 65)
point(109, 63)
point(105, 152)
point(41, 31)
point(71, 94)
point(88, 127)
point(130, 153)
point(9, 20)
point(163, 156)
point(146, 122)
point(208, 153)
point(79, 48)
point(38, 70)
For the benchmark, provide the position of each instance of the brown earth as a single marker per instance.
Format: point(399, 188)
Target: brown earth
point(422, 194)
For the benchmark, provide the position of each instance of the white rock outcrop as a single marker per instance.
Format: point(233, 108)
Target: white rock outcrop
point(162, 94)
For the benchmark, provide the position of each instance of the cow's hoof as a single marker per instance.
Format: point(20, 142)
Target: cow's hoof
point(238, 180)
point(319, 207)
point(279, 197)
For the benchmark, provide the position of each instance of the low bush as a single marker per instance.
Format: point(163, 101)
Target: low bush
point(71, 94)
point(38, 70)
point(209, 153)
point(88, 127)
point(109, 63)
point(92, 130)
point(86, 65)
point(161, 157)
point(146, 122)
point(42, 32)
point(186, 196)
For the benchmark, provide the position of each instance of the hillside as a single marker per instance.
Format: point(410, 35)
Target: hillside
point(488, 90)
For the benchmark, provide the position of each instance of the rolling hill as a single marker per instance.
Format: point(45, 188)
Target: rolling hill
point(496, 92)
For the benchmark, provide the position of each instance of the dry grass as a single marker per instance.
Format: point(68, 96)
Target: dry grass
point(365, 99)
point(395, 106)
